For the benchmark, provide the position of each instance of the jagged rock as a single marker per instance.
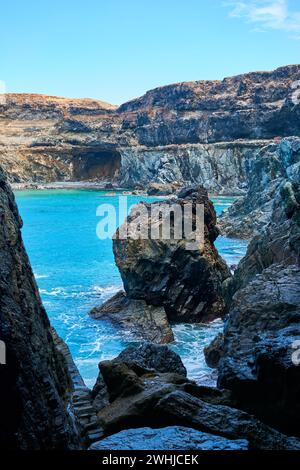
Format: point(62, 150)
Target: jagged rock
point(141, 397)
point(187, 283)
point(171, 438)
point(214, 351)
point(272, 167)
point(36, 386)
point(143, 321)
point(153, 357)
point(137, 379)
point(180, 408)
point(279, 241)
point(264, 306)
point(263, 324)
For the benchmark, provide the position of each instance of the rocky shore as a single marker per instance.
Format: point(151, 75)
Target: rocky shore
point(233, 135)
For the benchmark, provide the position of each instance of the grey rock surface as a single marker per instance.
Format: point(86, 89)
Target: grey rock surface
point(169, 438)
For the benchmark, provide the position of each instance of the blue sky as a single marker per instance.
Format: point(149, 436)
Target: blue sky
point(115, 50)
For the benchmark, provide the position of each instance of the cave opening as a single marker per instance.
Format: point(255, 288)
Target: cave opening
point(97, 165)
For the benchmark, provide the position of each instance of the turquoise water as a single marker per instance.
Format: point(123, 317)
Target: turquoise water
point(75, 271)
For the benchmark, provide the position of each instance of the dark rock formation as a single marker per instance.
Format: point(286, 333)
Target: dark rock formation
point(162, 272)
point(35, 384)
point(193, 132)
point(83, 407)
point(214, 351)
point(252, 106)
point(269, 169)
point(279, 241)
point(170, 438)
point(259, 354)
point(140, 397)
point(153, 357)
point(141, 320)
point(259, 337)
point(182, 408)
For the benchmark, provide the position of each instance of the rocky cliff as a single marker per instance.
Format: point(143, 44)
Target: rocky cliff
point(35, 383)
point(258, 355)
point(272, 168)
point(193, 132)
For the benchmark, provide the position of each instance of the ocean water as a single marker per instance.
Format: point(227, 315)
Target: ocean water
point(75, 272)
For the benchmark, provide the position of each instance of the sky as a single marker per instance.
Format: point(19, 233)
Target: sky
point(116, 50)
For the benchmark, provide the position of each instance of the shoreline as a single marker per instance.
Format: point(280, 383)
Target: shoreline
point(94, 186)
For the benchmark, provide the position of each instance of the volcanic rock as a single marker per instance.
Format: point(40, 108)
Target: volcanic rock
point(272, 167)
point(35, 383)
point(141, 320)
point(187, 283)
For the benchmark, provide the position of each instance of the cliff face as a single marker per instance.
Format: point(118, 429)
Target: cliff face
point(272, 167)
point(194, 132)
point(35, 384)
point(258, 355)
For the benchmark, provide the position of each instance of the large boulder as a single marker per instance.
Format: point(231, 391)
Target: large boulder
point(153, 357)
point(171, 438)
point(143, 321)
point(187, 283)
point(35, 383)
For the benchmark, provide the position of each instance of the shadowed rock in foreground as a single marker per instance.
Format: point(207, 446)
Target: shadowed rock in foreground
point(170, 438)
point(201, 132)
point(35, 384)
point(146, 386)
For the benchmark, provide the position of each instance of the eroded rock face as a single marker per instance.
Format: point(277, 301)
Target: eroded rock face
point(257, 356)
point(35, 384)
point(171, 438)
point(194, 132)
point(279, 241)
point(259, 346)
point(182, 408)
point(135, 316)
point(188, 284)
point(271, 168)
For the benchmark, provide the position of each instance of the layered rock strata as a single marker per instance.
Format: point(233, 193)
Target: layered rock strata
point(200, 132)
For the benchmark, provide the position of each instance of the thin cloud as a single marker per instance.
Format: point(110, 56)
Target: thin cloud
point(267, 15)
